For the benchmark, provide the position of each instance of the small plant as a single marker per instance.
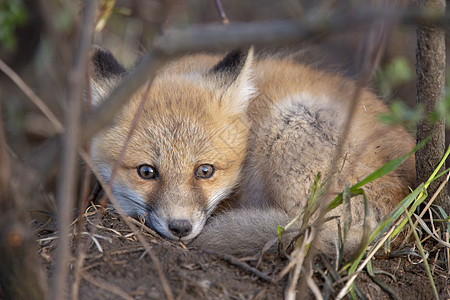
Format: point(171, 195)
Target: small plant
point(12, 15)
point(394, 223)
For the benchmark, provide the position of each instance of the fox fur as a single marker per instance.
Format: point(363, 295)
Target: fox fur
point(264, 127)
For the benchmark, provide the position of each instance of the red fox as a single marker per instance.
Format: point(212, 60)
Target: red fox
point(250, 133)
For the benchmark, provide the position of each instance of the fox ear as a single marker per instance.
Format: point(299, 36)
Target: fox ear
point(106, 73)
point(234, 72)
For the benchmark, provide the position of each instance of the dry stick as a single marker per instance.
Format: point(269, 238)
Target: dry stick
point(83, 202)
point(276, 33)
point(447, 250)
point(66, 186)
point(32, 96)
point(222, 14)
point(218, 37)
point(374, 48)
point(81, 253)
point(298, 258)
point(79, 262)
point(213, 37)
point(234, 261)
point(141, 238)
point(143, 227)
point(107, 286)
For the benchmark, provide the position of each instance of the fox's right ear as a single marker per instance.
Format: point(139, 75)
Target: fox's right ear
point(106, 72)
point(235, 74)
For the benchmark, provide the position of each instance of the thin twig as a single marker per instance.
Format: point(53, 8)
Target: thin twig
point(236, 262)
point(222, 14)
point(140, 237)
point(269, 33)
point(69, 166)
point(143, 227)
point(104, 285)
point(374, 47)
point(299, 257)
point(127, 250)
point(79, 262)
point(32, 96)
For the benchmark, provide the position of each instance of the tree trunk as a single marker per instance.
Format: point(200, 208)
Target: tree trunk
point(430, 70)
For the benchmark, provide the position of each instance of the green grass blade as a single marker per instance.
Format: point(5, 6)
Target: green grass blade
point(347, 211)
point(384, 226)
point(422, 196)
point(389, 167)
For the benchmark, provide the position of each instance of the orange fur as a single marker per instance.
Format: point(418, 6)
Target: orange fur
point(266, 126)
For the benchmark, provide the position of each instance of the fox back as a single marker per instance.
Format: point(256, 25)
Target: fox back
point(250, 133)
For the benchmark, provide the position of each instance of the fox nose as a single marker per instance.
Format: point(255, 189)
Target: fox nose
point(180, 228)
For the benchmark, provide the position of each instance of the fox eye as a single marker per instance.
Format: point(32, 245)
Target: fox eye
point(204, 171)
point(147, 172)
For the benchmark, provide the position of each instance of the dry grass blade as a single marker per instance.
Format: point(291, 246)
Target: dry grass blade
point(87, 213)
point(447, 250)
point(430, 232)
point(298, 258)
point(313, 287)
point(349, 283)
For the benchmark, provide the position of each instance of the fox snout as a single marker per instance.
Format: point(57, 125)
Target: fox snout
point(176, 223)
point(180, 227)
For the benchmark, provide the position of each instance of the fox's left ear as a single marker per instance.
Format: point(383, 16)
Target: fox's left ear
point(235, 74)
point(106, 72)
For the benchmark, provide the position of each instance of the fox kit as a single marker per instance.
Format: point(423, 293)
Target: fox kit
point(250, 133)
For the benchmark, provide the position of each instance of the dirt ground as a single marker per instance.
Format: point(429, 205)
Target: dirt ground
point(116, 266)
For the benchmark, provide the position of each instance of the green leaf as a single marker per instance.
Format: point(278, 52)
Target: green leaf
point(383, 170)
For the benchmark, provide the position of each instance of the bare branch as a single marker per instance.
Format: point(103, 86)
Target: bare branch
point(235, 35)
point(32, 96)
point(69, 165)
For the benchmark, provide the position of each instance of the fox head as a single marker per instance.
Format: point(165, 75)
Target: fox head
point(190, 138)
